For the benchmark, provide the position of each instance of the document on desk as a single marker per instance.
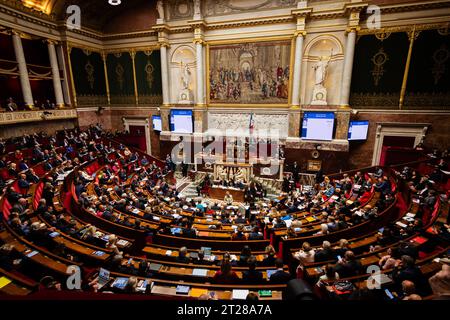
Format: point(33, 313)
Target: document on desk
point(32, 253)
point(200, 272)
point(196, 292)
point(4, 282)
point(240, 294)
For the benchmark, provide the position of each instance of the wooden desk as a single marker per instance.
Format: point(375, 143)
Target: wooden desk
point(219, 193)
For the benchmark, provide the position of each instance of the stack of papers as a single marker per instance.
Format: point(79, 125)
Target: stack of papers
point(200, 272)
point(182, 289)
point(240, 294)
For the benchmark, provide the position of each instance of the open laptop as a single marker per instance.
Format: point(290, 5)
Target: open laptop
point(103, 278)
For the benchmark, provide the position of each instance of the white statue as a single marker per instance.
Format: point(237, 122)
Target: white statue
point(160, 8)
point(321, 70)
point(320, 92)
point(197, 10)
point(185, 76)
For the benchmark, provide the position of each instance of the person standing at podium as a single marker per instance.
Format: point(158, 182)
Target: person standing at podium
point(228, 198)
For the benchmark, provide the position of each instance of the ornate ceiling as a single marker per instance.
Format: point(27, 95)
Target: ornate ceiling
point(95, 14)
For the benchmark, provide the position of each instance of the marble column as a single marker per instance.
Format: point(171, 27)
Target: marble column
point(23, 71)
point(348, 68)
point(297, 70)
point(165, 75)
point(200, 74)
point(55, 74)
point(65, 81)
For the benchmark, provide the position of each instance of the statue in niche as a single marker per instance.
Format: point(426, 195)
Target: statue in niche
point(185, 76)
point(160, 8)
point(321, 72)
point(321, 69)
point(185, 96)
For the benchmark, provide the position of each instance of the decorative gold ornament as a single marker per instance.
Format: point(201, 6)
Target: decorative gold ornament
point(379, 59)
point(89, 68)
point(382, 35)
point(149, 74)
point(119, 72)
point(440, 57)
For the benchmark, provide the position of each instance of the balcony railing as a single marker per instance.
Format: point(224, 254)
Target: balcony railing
point(35, 116)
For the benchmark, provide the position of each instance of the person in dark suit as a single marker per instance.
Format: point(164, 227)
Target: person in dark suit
point(252, 276)
point(326, 254)
point(32, 177)
point(255, 234)
point(23, 183)
point(348, 266)
point(407, 270)
point(280, 276)
point(182, 256)
point(270, 258)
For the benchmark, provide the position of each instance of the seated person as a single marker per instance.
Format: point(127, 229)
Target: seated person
point(225, 275)
point(22, 182)
point(182, 256)
point(348, 266)
point(269, 259)
point(326, 254)
point(239, 234)
point(280, 276)
point(252, 276)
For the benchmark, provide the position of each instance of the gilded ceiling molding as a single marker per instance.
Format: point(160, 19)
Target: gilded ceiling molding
point(405, 28)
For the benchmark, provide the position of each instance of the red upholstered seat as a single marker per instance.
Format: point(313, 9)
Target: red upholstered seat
point(6, 209)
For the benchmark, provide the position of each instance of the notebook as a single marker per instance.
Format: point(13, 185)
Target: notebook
point(239, 294)
point(31, 254)
point(4, 282)
point(98, 253)
point(199, 272)
point(122, 242)
point(103, 277)
point(206, 250)
point(193, 255)
point(196, 292)
point(120, 283)
point(182, 289)
point(175, 230)
point(155, 266)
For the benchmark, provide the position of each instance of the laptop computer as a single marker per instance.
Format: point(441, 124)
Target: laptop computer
point(103, 278)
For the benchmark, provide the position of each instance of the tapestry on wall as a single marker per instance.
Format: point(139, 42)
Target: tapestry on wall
point(250, 73)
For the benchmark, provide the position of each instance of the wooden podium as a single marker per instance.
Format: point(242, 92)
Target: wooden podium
point(216, 192)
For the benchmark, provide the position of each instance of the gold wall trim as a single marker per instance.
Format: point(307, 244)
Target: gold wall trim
point(7, 118)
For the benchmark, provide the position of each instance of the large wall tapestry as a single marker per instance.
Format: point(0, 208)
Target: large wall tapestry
point(250, 73)
point(89, 77)
point(429, 73)
point(148, 76)
point(378, 70)
point(120, 78)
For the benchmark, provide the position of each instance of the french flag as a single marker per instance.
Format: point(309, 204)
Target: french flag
point(252, 123)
